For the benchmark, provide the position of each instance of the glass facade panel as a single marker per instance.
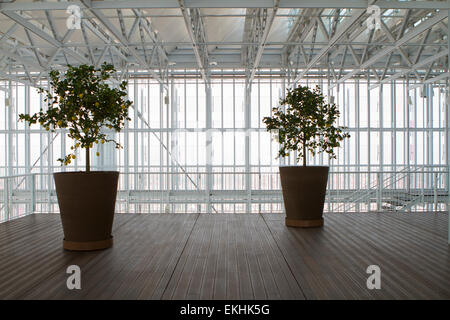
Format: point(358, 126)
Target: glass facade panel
point(182, 138)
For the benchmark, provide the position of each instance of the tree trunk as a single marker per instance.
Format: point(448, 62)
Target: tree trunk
point(304, 153)
point(88, 160)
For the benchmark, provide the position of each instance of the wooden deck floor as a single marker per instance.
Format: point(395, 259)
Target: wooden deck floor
point(192, 256)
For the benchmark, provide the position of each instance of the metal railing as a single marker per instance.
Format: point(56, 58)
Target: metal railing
point(402, 190)
point(422, 188)
point(412, 189)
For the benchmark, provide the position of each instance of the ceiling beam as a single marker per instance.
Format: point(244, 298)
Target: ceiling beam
point(196, 29)
point(346, 26)
point(298, 33)
point(94, 28)
point(149, 4)
point(16, 78)
point(414, 67)
point(258, 35)
point(20, 59)
point(431, 80)
point(407, 37)
point(9, 32)
point(146, 24)
point(44, 35)
point(118, 35)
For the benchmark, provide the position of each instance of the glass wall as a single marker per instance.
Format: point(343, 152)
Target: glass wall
point(185, 135)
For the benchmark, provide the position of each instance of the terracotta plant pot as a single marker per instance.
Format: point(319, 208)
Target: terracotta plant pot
point(87, 202)
point(304, 191)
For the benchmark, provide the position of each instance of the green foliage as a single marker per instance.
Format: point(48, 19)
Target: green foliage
point(307, 124)
point(81, 101)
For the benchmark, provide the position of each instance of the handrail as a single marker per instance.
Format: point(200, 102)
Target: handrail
point(428, 188)
point(225, 173)
point(357, 197)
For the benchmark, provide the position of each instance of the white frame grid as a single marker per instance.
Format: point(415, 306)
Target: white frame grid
point(323, 45)
point(233, 167)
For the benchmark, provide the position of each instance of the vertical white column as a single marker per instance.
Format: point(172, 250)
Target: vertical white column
point(9, 149)
point(208, 114)
point(126, 162)
point(29, 186)
point(108, 155)
point(161, 149)
point(408, 103)
point(137, 147)
point(368, 137)
point(428, 136)
point(173, 146)
point(9, 127)
point(381, 126)
point(50, 183)
point(357, 141)
point(234, 138)
point(223, 177)
point(186, 206)
point(166, 143)
point(282, 160)
point(447, 134)
point(394, 125)
point(380, 147)
point(247, 119)
point(27, 131)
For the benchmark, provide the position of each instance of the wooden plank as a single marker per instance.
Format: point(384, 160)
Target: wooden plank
point(349, 243)
point(220, 281)
point(212, 255)
point(244, 272)
point(167, 264)
point(149, 274)
point(192, 256)
point(404, 252)
point(54, 286)
point(218, 256)
point(232, 276)
point(283, 278)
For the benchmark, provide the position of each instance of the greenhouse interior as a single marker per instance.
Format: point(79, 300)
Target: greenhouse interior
point(201, 205)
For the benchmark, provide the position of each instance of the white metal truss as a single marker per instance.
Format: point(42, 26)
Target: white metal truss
point(349, 23)
point(322, 41)
point(197, 32)
point(257, 26)
point(303, 25)
point(425, 25)
point(20, 19)
point(119, 36)
point(420, 64)
point(155, 4)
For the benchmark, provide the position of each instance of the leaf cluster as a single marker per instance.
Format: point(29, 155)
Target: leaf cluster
point(82, 101)
point(305, 122)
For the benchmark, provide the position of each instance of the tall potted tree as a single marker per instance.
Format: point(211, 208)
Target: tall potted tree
point(307, 124)
point(82, 102)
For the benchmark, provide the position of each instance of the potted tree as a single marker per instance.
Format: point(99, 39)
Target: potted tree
point(306, 125)
point(82, 102)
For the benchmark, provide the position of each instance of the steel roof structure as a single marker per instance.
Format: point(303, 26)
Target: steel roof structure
point(309, 38)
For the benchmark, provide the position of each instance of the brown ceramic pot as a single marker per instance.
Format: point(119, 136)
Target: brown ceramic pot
point(304, 191)
point(87, 201)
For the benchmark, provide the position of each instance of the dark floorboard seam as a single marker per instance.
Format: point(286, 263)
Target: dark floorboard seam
point(179, 257)
point(285, 260)
point(71, 260)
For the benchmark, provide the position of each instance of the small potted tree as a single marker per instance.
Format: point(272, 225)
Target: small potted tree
point(82, 102)
point(306, 125)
